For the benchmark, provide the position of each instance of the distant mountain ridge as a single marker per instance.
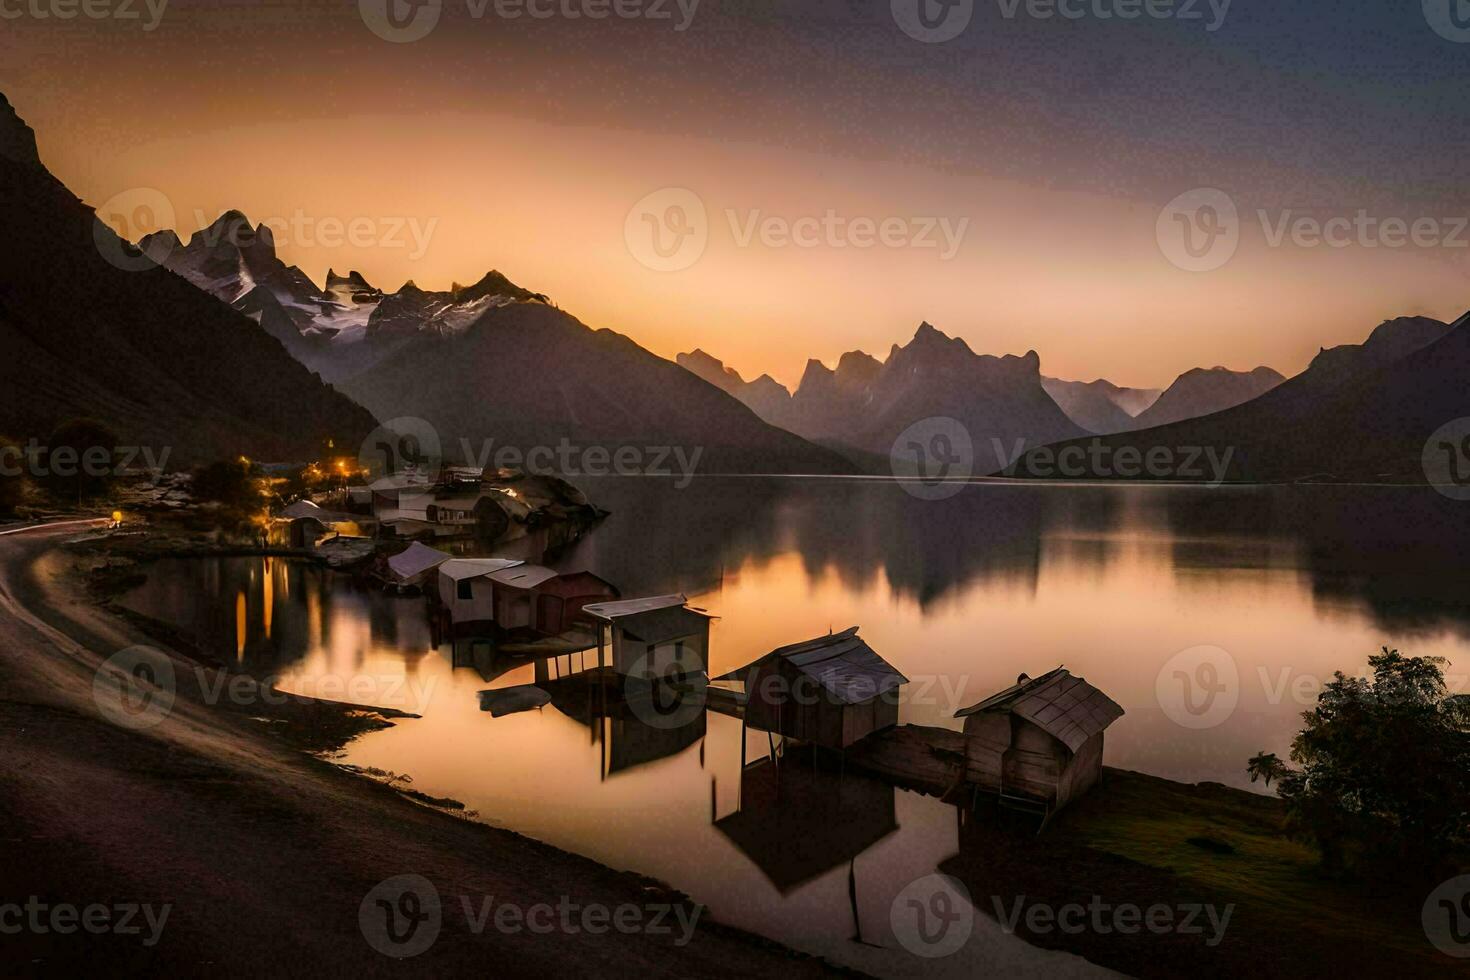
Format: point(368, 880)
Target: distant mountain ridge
point(150, 356)
point(864, 404)
point(1204, 391)
point(528, 375)
point(1358, 412)
point(338, 330)
point(1100, 406)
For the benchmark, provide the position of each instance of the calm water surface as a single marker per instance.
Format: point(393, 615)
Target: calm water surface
point(1123, 585)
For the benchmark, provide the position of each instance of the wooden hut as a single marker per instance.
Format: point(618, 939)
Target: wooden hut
point(655, 636)
point(415, 567)
point(465, 589)
point(563, 598)
point(1038, 744)
point(831, 691)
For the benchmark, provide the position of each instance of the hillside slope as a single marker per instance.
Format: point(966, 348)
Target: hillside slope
point(161, 363)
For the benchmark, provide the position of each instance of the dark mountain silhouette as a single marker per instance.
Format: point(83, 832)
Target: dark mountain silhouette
point(1100, 406)
point(861, 407)
point(765, 396)
point(866, 404)
point(527, 374)
point(1204, 391)
point(1359, 412)
point(143, 351)
point(339, 330)
point(827, 403)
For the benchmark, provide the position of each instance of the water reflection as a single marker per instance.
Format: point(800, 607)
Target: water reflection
point(961, 595)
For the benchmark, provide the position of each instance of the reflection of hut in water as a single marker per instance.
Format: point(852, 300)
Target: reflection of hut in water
point(1039, 743)
point(630, 735)
point(830, 691)
point(796, 823)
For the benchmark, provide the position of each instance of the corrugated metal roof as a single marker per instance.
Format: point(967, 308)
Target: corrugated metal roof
point(303, 508)
point(661, 625)
point(522, 576)
point(1065, 707)
point(844, 665)
point(416, 560)
point(462, 568)
point(613, 611)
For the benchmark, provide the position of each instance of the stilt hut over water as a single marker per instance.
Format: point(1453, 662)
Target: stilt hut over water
point(655, 637)
point(831, 691)
point(1039, 743)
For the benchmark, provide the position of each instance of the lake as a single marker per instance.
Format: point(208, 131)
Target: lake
point(1212, 615)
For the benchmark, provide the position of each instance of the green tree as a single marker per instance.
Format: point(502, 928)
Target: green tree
point(1384, 775)
point(232, 483)
point(1267, 766)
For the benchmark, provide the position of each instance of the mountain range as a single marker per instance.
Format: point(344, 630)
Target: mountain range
point(526, 375)
point(1100, 406)
point(1205, 391)
point(90, 328)
point(1358, 412)
point(338, 330)
point(863, 405)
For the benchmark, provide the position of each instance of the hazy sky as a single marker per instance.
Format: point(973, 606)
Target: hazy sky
point(845, 180)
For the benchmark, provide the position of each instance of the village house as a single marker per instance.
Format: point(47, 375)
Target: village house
point(831, 691)
point(515, 595)
point(1038, 744)
point(657, 636)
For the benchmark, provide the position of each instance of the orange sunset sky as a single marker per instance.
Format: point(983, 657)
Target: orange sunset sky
point(522, 146)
